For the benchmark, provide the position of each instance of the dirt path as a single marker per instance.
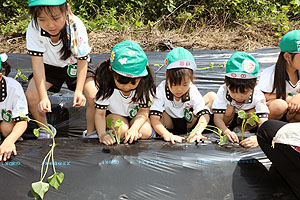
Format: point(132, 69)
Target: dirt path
point(241, 38)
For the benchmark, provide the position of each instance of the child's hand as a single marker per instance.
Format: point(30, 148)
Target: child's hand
point(294, 105)
point(196, 137)
point(132, 135)
point(250, 142)
point(169, 137)
point(79, 99)
point(106, 139)
point(45, 105)
point(6, 149)
point(231, 136)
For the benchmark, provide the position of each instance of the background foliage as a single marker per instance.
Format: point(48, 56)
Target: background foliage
point(184, 15)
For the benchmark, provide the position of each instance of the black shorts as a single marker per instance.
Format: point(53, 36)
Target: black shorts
point(57, 76)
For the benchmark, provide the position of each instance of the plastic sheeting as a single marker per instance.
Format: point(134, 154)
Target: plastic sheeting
point(150, 169)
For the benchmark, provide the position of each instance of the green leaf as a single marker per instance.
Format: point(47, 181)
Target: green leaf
point(242, 114)
point(109, 122)
point(35, 195)
point(251, 121)
point(40, 188)
point(36, 132)
point(118, 123)
point(56, 179)
point(222, 140)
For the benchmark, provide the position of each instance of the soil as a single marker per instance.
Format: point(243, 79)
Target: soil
point(240, 38)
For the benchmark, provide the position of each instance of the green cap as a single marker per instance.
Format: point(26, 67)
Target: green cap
point(45, 2)
point(290, 42)
point(128, 59)
point(180, 58)
point(242, 65)
point(3, 58)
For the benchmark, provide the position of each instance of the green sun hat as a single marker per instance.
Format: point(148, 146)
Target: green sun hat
point(45, 2)
point(290, 42)
point(180, 58)
point(128, 59)
point(242, 65)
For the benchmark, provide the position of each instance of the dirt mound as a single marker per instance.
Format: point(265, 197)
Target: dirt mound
point(242, 38)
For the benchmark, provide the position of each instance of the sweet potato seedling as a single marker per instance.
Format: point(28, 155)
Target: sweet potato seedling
point(252, 120)
point(115, 129)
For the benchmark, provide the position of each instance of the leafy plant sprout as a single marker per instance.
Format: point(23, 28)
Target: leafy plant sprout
point(20, 74)
point(39, 188)
point(210, 128)
point(252, 120)
point(115, 131)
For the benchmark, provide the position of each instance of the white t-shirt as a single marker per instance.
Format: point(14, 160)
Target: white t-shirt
point(165, 101)
point(39, 44)
point(119, 104)
point(256, 100)
point(12, 100)
point(266, 82)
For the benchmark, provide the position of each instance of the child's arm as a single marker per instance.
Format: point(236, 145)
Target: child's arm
point(100, 123)
point(40, 82)
point(219, 122)
point(133, 132)
point(162, 131)
point(79, 99)
point(196, 133)
point(293, 103)
point(8, 146)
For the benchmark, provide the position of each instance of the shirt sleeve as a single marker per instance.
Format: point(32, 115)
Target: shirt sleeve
point(261, 107)
point(198, 102)
point(19, 104)
point(157, 107)
point(266, 80)
point(101, 104)
point(34, 41)
point(220, 102)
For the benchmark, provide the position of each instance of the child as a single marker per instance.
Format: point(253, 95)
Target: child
point(125, 86)
point(280, 83)
point(58, 45)
point(12, 101)
point(179, 106)
point(239, 93)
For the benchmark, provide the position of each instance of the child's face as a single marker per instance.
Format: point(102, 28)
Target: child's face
point(179, 90)
point(52, 24)
point(238, 96)
point(128, 87)
point(296, 62)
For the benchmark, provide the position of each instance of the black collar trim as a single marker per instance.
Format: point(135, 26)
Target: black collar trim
point(246, 101)
point(3, 93)
point(170, 96)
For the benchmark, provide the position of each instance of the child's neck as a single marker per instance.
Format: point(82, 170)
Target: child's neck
point(293, 74)
point(55, 38)
point(126, 93)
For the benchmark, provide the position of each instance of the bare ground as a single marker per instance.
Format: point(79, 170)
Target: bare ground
point(241, 38)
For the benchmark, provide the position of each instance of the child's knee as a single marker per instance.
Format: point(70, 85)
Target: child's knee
point(278, 106)
point(6, 128)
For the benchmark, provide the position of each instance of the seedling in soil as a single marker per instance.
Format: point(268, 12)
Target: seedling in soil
point(39, 188)
point(19, 74)
point(115, 129)
point(210, 128)
point(252, 120)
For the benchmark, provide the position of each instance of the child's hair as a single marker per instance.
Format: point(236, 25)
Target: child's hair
point(176, 75)
point(104, 80)
point(240, 85)
point(281, 76)
point(35, 11)
point(5, 67)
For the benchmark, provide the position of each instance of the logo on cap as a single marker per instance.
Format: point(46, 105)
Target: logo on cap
point(248, 66)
